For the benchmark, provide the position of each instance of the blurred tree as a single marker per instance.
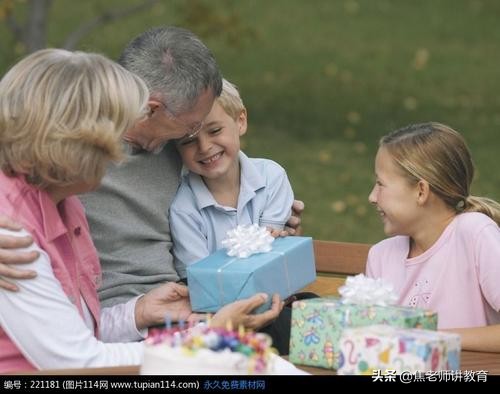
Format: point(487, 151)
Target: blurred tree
point(225, 22)
point(31, 32)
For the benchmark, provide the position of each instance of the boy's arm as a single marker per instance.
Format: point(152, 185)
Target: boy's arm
point(189, 239)
point(277, 211)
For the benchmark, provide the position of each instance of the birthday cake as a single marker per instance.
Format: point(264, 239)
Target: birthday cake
point(202, 350)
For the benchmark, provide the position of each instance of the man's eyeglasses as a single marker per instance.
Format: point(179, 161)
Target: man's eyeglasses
point(192, 130)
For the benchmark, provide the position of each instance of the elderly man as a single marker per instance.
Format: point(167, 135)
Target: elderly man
point(127, 213)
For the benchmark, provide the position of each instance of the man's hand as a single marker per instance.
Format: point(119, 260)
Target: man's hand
point(240, 313)
point(293, 226)
point(9, 255)
point(277, 233)
point(170, 298)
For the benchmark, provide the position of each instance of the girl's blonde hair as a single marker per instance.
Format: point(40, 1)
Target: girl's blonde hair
point(230, 100)
point(62, 115)
point(438, 154)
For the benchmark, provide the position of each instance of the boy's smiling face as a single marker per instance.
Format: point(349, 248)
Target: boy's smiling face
point(213, 153)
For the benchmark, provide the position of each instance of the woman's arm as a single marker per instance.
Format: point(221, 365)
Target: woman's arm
point(48, 329)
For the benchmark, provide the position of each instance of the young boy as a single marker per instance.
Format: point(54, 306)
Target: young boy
point(223, 187)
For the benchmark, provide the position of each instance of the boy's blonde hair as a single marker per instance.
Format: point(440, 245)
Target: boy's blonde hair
point(438, 154)
point(62, 115)
point(230, 100)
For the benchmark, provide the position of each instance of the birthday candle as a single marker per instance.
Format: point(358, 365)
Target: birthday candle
point(168, 321)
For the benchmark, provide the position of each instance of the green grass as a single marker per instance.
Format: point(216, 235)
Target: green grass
point(324, 80)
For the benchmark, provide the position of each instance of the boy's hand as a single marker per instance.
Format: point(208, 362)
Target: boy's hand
point(293, 226)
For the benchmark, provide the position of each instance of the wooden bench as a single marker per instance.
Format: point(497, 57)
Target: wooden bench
point(335, 261)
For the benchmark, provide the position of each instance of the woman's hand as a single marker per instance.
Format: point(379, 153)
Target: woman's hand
point(170, 299)
point(9, 255)
point(240, 313)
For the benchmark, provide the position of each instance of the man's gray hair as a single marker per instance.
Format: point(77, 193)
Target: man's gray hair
point(176, 66)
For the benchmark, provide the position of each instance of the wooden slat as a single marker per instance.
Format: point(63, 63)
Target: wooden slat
point(325, 286)
point(343, 258)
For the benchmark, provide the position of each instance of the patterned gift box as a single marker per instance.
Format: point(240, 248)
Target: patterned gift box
point(220, 279)
point(317, 325)
point(383, 348)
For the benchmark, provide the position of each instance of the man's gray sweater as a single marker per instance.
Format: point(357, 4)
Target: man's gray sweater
point(128, 218)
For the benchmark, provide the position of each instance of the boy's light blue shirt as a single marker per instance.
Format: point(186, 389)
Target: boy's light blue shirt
point(199, 223)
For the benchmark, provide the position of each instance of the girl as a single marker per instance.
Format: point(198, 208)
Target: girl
point(444, 250)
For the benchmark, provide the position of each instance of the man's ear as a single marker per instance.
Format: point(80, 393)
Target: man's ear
point(423, 190)
point(154, 105)
point(242, 122)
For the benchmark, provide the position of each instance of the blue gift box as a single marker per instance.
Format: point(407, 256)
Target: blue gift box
point(220, 279)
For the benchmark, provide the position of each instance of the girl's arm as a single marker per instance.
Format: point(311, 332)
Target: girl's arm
point(479, 339)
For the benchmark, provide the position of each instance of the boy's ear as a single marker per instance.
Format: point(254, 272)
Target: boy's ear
point(423, 190)
point(242, 122)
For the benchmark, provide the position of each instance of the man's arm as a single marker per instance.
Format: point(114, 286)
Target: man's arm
point(293, 226)
point(10, 255)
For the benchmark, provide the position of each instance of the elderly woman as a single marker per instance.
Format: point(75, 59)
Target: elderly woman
point(62, 116)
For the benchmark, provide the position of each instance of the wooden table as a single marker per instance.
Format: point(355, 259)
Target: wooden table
point(470, 361)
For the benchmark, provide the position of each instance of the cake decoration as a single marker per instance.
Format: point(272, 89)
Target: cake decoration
point(206, 350)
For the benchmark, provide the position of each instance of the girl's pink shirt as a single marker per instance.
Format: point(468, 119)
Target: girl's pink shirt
point(457, 277)
point(62, 231)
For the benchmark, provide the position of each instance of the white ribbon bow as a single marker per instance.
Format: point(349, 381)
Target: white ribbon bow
point(243, 241)
point(362, 290)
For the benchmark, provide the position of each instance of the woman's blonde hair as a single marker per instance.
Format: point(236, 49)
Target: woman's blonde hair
point(230, 100)
point(438, 154)
point(62, 115)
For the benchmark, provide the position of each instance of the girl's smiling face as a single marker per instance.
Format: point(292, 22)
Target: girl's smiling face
point(394, 196)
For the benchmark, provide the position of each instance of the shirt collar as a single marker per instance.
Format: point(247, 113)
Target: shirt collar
point(53, 226)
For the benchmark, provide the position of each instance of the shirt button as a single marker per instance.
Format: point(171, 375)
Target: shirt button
point(77, 231)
